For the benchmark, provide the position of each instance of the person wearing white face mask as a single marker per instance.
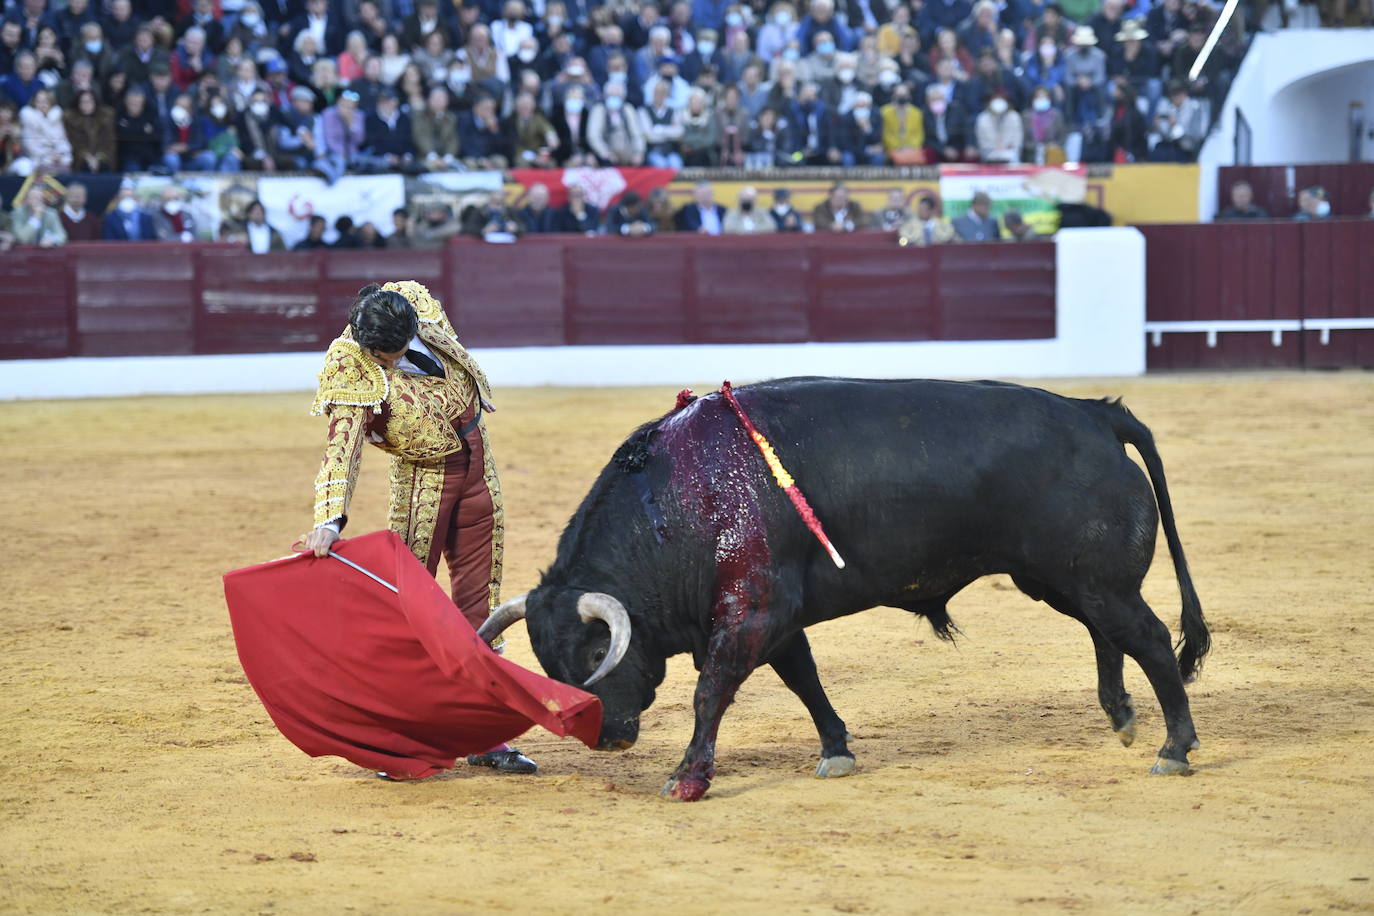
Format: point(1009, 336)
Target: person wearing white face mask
point(1044, 129)
point(126, 222)
point(998, 131)
point(614, 131)
point(861, 135)
point(508, 32)
point(1313, 204)
point(701, 56)
point(171, 222)
point(780, 28)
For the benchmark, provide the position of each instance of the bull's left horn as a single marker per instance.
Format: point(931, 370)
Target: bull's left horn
point(502, 618)
point(599, 606)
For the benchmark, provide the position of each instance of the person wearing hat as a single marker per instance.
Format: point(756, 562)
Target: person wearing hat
point(1084, 57)
point(1134, 57)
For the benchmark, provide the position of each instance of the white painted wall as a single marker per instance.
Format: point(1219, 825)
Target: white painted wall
point(1294, 88)
point(1100, 305)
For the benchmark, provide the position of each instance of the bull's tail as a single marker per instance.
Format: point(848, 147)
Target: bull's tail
point(1195, 641)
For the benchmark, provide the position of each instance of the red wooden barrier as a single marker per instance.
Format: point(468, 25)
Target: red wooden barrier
point(147, 299)
point(1239, 286)
point(1347, 184)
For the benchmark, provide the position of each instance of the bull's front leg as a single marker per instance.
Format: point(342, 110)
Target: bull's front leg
point(732, 654)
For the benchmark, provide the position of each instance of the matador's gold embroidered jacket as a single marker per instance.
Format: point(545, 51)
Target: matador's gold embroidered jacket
point(412, 418)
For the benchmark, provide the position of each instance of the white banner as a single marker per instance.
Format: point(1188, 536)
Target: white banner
point(463, 182)
point(290, 202)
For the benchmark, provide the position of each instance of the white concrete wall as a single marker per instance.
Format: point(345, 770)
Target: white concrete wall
point(1100, 302)
point(1294, 88)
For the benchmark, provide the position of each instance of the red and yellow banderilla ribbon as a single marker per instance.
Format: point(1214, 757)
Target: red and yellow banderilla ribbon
point(784, 479)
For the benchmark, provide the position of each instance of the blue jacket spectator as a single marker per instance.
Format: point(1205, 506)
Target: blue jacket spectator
point(822, 19)
point(127, 222)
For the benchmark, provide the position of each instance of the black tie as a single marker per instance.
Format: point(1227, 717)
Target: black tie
point(423, 362)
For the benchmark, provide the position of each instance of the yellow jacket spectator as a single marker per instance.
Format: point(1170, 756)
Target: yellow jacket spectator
point(904, 134)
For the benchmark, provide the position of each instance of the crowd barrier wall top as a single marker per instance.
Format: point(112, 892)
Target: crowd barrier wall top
point(567, 310)
point(1264, 294)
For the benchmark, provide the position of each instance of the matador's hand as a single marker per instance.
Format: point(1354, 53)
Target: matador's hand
point(320, 541)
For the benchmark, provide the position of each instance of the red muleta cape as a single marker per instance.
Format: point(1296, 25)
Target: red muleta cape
point(393, 682)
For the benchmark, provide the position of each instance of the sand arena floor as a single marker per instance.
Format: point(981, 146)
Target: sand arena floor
point(140, 774)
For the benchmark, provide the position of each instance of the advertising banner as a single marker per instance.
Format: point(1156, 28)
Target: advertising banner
point(1032, 189)
point(291, 202)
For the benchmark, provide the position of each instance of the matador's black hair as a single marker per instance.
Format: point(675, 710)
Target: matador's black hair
point(382, 320)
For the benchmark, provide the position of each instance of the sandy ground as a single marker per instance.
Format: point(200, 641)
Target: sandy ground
point(140, 774)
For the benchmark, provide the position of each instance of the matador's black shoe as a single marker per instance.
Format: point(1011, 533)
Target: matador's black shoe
point(508, 760)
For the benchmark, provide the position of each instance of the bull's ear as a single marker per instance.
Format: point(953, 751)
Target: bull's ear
point(502, 618)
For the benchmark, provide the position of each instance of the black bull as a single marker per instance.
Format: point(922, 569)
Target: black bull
point(923, 486)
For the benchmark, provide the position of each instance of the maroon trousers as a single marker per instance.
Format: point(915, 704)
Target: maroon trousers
point(463, 530)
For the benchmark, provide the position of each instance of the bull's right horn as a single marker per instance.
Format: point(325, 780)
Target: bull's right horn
point(600, 606)
point(502, 618)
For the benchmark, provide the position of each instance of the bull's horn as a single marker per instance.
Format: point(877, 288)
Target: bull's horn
point(502, 618)
point(598, 606)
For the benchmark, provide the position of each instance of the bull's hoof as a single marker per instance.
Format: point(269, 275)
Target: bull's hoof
point(835, 767)
point(686, 789)
point(1127, 732)
point(1167, 766)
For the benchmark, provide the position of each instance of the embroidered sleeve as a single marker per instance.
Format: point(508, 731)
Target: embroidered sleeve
point(343, 451)
point(349, 379)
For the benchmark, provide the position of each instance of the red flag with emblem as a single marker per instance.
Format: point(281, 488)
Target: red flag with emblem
point(604, 187)
point(392, 681)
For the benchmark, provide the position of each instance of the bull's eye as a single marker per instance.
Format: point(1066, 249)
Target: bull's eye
point(598, 656)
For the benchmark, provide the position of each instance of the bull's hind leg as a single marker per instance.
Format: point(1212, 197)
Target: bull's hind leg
point(1111, 690)
point(1131, 626)
point(796, 667)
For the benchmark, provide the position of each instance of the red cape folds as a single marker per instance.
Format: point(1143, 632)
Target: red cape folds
point(392, 682)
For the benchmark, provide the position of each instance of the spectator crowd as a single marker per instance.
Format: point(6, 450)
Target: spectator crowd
point(366, 86)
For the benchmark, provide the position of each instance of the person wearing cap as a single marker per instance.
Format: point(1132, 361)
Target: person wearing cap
point(666, 71)
point(977, 224)
point(343, 131)
point(1134, 57)
point(785, 216)
point(278, 85)
point(1084, 57)
point(298, 133)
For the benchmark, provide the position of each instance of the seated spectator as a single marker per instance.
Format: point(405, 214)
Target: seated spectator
point(394, 60)
point(704, 54)
point(868, 64)
point(79, 223)
point(171, 222)
point(437, 226)
point(300, 63)
point(257, 125)
point(860, 135)
point(746, 218)
point(1134, 58)
point(769, 144)
point(736, 56)
point(44, 136)
point(1127, 135)
point(127, 221)
point(821, 64)
point(314, 236)
point(628, 218)
point(69, 22)
point(894, 215)
point(262, 238)
point(662, 129)
point(91, 131)
point(999, 131)
point(947, 49)
point(321, 22)
point(700, 144)
point(278, 84)
point(614, 130)
point(480, 137)
point(577, 215)
point(511, 29)
point(227, 62)
point(297, 133)
point(1313, 204)
point(1017, 228)
point(1085, 58)
point(493, 219)
point(400, 236)
point(203, 15)
point(977, 225)
point(784, 215)
point(1088, 119)
point(189, 62)
point(11, 139)
point(904, 135)
point(837, 213)
point(120, 25)
point(1242, 204)
point(927, 227)
point(388, 144)
point(219, 140)
point(1044, 130)
point(734, 127)
point(666, 74)
point(536, 217)
point(703, 215)
point(324, 79)
point(1046, 69)
point(344, 234)
point(980, 32)
point(21, 85)
point(487, 67)
point(1181, 123)
point(424, 21)
point(948, 128)
point(570, 123)
point(812, 125)
point(179, 133)
point(245, 82)
point(369, 86)
point(909, 65)
point(753, 91)
point(529, 134)
point(780, 29)
point(36, 223)
point(353, 58)
point(435, 133)
point(659, 206)
point(344, 134)
point(82, 77)
point(250, 30)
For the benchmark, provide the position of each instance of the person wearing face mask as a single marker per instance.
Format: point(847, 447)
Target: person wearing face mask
point(570, 123)
point(1046, 69)
point(171, 222)
point(998, 131)
point(219, 139)
point(1044, 130)
point(948, 128)
point(820, 64)
point(705, 54)
point(599, 57)
point(508, 32)
point(904, 132)
point(861, 134)
point(821, 18)
point(257, 124)
point(778, 30)
point(747, 218)
point(203, 15)
point(614, 130)
point(126, 221)
point(839, 91)
point(785, 217)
